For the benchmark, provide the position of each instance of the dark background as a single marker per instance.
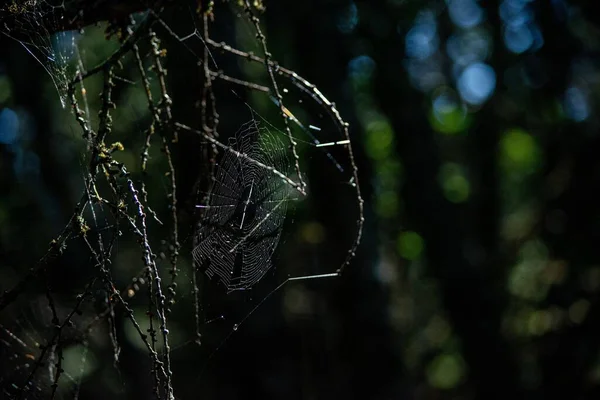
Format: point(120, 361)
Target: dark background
point(475, 129)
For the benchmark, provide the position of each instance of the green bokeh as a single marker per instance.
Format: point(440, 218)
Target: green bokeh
point(379, 139)
point(410, 245)
point(446, 371)
point(5, 89)
point(519, 151)
point(387, 204)
point(449, 120)
point(454, 183)
point(390, 172)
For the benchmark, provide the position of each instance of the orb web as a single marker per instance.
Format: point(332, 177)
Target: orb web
point(246, 209)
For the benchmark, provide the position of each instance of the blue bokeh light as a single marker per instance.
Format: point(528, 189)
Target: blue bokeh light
point(518, 39)
point(465, 13)
point(515, 12)
point(521, 32)
point(361, 67)
point(9, 126)
point(444, 102)
point(468, 47)
point(423, 62)
point(477, 83)
point(422, 40)
point(576, 104)
point(348, 19)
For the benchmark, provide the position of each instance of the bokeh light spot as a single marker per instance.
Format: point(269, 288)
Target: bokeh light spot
point(389, 171)
point(519, 151)
point(446, 371)
point(9, 126)
point(422, 40)
point(348, 19)
point(477, 83)
point(518, 39)
point(360, 71)
point(465, 13)
point(379, 139)
point(576, 105)
point(578, 311)
point(468, 47)
point(5, 89)
point(410, 245)
point(387, 204)
point(448, 115)
point(454, 183)
point(313, 233)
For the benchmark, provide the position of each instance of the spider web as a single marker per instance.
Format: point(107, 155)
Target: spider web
point(37, 27)
point(23, 332)
point(247, 206)
point(248, 246)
